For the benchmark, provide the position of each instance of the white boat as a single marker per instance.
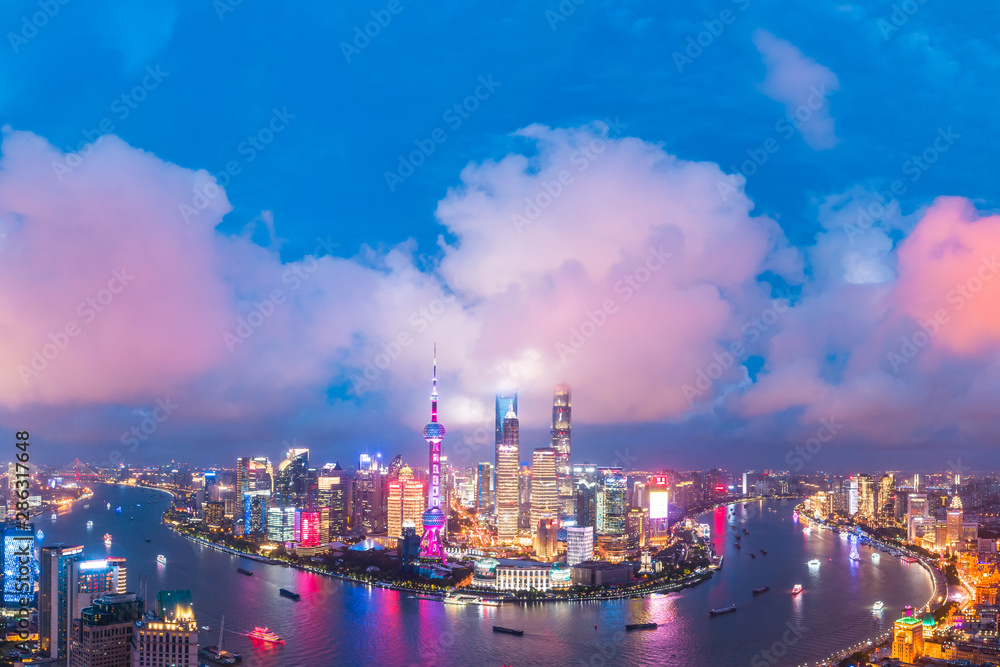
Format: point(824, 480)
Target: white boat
point(813, 563)
point(109, 505)
point(54, 516)
point(875, 557)
point(90, 524)
point(40, 535)
point(877, 606)
point(161, 559)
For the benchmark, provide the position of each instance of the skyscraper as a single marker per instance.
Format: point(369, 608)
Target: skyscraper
point(611, 502)
point(544, 489)
point(173, 633)
point(368, 495)
point(579, 544)
point(433, 518)
point(18, 551)
point(281, 524)
point(508, 460)
point(103, 635)
point(867, 497)
point(333, 490)
point(955, 523)
point(252, 474)
point(505, 402)
point(291, 485)
point(560, 442)
point(53, 599)
point(484, 488)
point(255, 512)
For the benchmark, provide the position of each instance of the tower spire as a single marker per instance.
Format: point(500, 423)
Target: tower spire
point(434, 387)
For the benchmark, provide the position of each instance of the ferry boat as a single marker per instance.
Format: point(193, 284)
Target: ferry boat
point(109, 505)
point(487, 602)
point(753, 555)
point(509, 631)
point(875, 557)
point(762, 589)
point(763, 553)
point(724, 610)
point(107, 539)
point(288, 594)
point(814, 562)
point(249, 573)
point(878, 606)
point(54, 516)
point(265, 635)
point(641, 626)
point(797, 589)
point(161, 559)
point(87, 506)
point(40, 535)
point(90, 524)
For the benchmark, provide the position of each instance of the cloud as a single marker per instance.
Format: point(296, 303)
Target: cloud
point(802, 85)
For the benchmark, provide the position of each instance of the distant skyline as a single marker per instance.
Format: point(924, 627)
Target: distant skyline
point(721, 228)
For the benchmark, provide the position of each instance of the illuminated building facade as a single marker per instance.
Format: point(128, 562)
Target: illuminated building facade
point(281, 524)
point(171, 639)
point(484, 488)
point(508, 466)
point(520, 575)
point(253, 474)
point(103, 636)
point(955, 521)
point(545, 538)
point(916, 515)
point(53, 599)
point(255, 512)
point(867, 498)
point(505, 402)
point(18, 551)
point(291, 485)
point(560, 441)
point(308, 529)
point(907, 639)
point(659, 506)
point(369, 495)
point(586, 503)
point(333, 486)
point(215, 513)
point(544, 489)
point(637, 529)
point(579, 544)
point(612, 505)
point(89, 580)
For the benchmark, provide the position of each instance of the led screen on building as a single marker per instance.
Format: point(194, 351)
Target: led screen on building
point(658, 504)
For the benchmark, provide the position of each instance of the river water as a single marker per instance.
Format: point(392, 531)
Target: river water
point(339, 623)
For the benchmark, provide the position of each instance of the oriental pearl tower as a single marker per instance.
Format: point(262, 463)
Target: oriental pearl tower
point(434, 518)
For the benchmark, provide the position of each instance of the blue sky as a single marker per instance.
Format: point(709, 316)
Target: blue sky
point(225, 70)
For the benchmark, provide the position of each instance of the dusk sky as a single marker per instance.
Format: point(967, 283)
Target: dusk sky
point(729, 227)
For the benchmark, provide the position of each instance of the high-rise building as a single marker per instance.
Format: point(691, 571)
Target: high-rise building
point(867, 498)
point(659, 506)
point(908, 639)
point(18, 566)
point(89, 580)
point(414, 504)
point(281, 524)
point(545, 538)
point(103, 635)
point(916, 515)
point(560, 442)
point(253, 474)
point(215, 513)
point(637, 529)
point(53, 599)
point(611, 503)
point(292, 481)
point(369, 496)
point(579, 544)
point(484, 488)
point(586, 503)
point(255, 512)
point(955, 524)
point(886, 508)
point(308, 528)
point(505, 402)
point(507, 496)
point(544, 486)
point(333, 486)
point(852, 495)
point(171, 638)
point(445, 496)
point(405, 503)
point(434, 517)
point(395, 509)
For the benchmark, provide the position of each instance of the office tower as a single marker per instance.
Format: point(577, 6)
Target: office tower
point(507, 497)
point(659, 506)
point(53, 599)
point(867, 501)
point(215, 513)
point(955, 524)
point(291, 485)
point(333, 491)
point(560, 442)
point(545, 538)
point(18, 551)
point(852, 495)
point(916, 515)
point(637, 530)
point(281, 524)
point(907, 639)
point(586, 503)
point(886, 487)
point(640, 495)
point(252, 474)
point(505, 402)
point(392, 472)
point(171, 637)
point(368, 495)
point(255, 512)
point(103, 637)
point(414, 501)
point(544, 486)
point(308, 533)
point(579, 544)
point(395, 508)
point(484, 488)
point(89, 580)
point(611, 504)
point(445, 497)
point(524, 497)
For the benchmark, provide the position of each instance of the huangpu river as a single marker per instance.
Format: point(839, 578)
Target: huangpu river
point(340, 623)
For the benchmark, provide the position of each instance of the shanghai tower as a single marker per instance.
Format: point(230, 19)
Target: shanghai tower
point(561, 408)
point(433, 517)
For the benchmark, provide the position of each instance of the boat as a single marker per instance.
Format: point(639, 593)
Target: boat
point(265, 635)
point(753, 555)
point(797, 589)
point(109, 505)
point(737, 545)
point(763, 553)
point(288, 594)
point(148, 540)
point(161, 559)
point(205, 628)
point(131, 518)
point(53, 516)
point(762, 589)
point(246, 572)
point(488, 602)
point(878, 606)
point(87, 506)
point(90, 524)
point(746, 532)
point(107, 539)
point(724, 610)
point(216, 653)
point(875, 557)
point(641, 626)
point(509, 631)
point(813, 563)
point(40, 535)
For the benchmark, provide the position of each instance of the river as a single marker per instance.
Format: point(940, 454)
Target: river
point(340, 623)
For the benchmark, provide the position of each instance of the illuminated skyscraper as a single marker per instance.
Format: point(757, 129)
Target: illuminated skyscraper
point(281, 524)
point(368, 494)
point(560, 442)
point(908, 639)
point(18, 552)
point(292, 483)
point(867, 501)
point(916, 515)
point(955, 521)
point(53, 599)
point(434, 517)
point(544, 489)
point(174, 633)
point(103, 634)
point(252, 474)
point(255, 512)
point(579, 544)
point(308, 531)
point(611, 503)
point(508, 460)
point(333, 490)
point(484, 488)
point(505, 402)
